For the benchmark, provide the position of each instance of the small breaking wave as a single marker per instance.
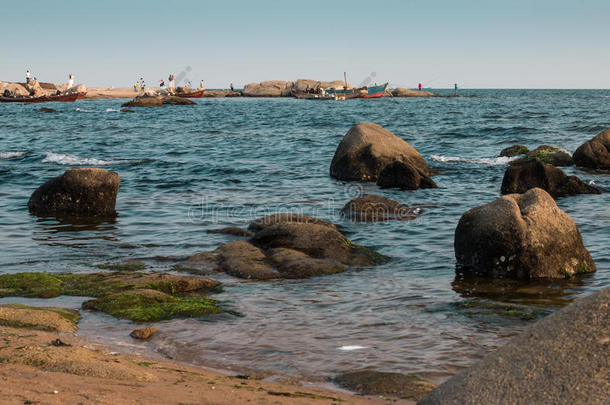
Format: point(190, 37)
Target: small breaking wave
point(84, 110)
point(112, 110)
point(11, 155)
point(477, 161)
point(71, 160)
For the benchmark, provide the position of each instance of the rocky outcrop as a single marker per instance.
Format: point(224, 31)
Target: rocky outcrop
point(405, 176)
point(595, 153)
point(548, 154)
point(306, 84)
point(561, 359)
point(374, 208)
point(145, 100)
point(528, 174)
point(274, 88)
point(369, 382)
point(285, 246)
point(13, 89)
point(79, 192)
point(402, 92)
point(34, 89)
point(520, 236)
point(173, 100)
point(513, 151)
point(368, 148)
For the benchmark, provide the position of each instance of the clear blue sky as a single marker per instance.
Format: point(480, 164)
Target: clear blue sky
point(479, 44)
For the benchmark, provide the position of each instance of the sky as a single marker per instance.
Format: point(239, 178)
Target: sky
point(478, 44)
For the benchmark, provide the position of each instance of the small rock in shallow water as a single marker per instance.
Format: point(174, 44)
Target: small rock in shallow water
point(368, 382)
point(47, 110)
point(144, 333)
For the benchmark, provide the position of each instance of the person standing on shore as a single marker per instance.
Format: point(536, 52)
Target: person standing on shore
point(172, 82)
point(201, 85)
point(27, 76)
point(70, 80)
point(455, 88)
point(419, 86)
point(162, 84)
point(232, 88)
point(142, 84)
point(135, 86)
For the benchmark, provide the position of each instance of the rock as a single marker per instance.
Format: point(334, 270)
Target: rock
point(405, 176)
point(14, 89)
point(520, 236)
point(270, 220)
point(306, 84)
point(367, 149)
point(173, 100)
point(548, 154)
point(528, 174)
point(144, 101)
point(368, 382)
point(47, 110)
point(513, 151)
point(275, 88)
point(402, 92)
point(79, 192)
point(41, 318)
point(127, 110)
point(244, 260)
point(372, 208)
point(561, 359)
point(79, 88)
point(295, 264)
point(232, 231)
point(143, 333)
point(34, 89)
point(595, 153)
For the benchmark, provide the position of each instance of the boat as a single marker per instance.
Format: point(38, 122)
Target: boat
point(191, 94)
point(375, 91)
point(69, 98)
point(329, 95)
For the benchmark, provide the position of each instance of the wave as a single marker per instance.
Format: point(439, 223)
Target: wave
point(477, 161)
point(11, 155)
point(112, 110)
point(71, 160)
point(84, 110)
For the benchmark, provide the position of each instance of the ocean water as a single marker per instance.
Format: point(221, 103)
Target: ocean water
point(225, 162)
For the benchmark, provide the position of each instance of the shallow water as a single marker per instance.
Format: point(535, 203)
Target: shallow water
point(224, 162)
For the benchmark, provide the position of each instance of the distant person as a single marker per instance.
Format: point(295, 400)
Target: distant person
point(70, 81)
point(455, 88)
point(201, 85)
point(419, 86)
point(232, 88)
point(142, 85)
point(27, 76)
point(135, 86)
point(172, 81)
point(162, 84)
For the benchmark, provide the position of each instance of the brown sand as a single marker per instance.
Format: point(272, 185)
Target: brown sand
point(34, 370)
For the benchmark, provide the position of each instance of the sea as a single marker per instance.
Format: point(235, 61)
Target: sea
point(224, 162)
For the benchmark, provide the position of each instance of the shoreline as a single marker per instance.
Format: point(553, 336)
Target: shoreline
point(37, 368)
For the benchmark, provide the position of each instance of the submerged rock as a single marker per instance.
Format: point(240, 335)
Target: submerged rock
point(145, 100)
point(127, 110)
point(367, 149)
point(528, 174)
point(595, 153)
point(373, 208)
point(232, 231)
point(561, 359)
point(144, 333)
point(173, 100)
point(368, 382)
point(513, 151)
point(520, 236)
point(285, 246)
point(47, 110)
point(78, 192)
point(405, 176)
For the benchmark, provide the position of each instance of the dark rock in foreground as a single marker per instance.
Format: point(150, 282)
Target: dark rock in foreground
point(367, 149)
point(285, 246)
point(561, 359)
point(405, 176)
point(78, 192)
point(47, 110)
point(173, 100)
point(145, 100)
point(232, 231)
point(373, 208)
point(547, 154)
point(127, 110)
point(528, 174)
point(595, 153)
point(513, 151)
point(368, 382)
point(520, 236)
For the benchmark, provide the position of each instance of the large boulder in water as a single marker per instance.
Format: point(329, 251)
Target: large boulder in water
point(173, 100)
point(405, 176)
point(520, 236)
point(402, 92)
point(595, 153)
point(306, 84)
point(528, 174)
point(14, 89)
point(513, 151)
point(77, 192)
point(561, 359)
point(367, 149)
point(145, 100)
point(273, 88)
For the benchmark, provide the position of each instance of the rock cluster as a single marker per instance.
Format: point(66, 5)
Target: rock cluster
point(595, 153)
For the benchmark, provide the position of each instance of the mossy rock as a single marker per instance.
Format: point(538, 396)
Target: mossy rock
point(491, 308)
point(41, 318)
point(145, 305)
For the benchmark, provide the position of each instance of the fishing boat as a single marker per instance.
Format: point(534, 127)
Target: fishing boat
point(191, 94)
point(375, 91)
point(304, 95)
point(69, 98)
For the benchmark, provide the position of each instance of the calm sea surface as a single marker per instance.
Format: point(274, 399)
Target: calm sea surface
point(224, 162)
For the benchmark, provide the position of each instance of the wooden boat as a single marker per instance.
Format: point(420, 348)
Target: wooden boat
point(364, 92)
point(375, 91)
point(191, 94)
point(329, 95)
point(69, 98)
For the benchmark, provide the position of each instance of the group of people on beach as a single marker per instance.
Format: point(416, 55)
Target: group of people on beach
point(140, 84)
point(28, 79)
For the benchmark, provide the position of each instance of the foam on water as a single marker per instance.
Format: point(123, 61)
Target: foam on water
point(477, 161)
point(71, 160)
point(11, 155)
